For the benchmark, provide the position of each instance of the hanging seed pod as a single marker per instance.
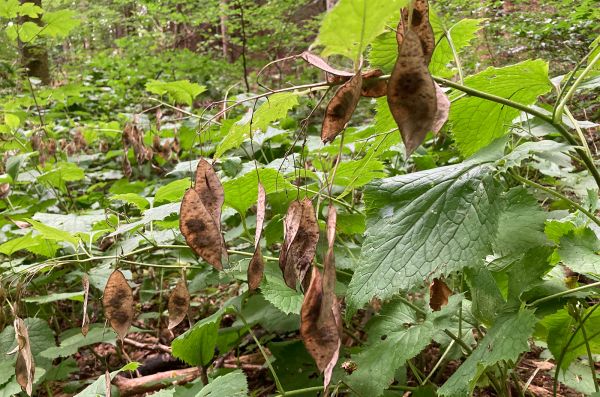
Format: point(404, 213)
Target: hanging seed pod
point(372, 86)
point(421, 26)
point(256, 267)
point(438, 294)
point(118, 303)
point(411, 94)
point(210, 190)
point(25, 366)
point(443, 109)
point(126, 166)
point(179, 304)
point(340, 108)
point(329, 276)
point(85, 322)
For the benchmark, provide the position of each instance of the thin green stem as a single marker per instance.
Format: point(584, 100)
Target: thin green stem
point(589, 352)
point(563, 293)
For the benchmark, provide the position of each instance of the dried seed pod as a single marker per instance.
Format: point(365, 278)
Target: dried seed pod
point(421, 26)
point(200, 231)
point(118, 303)
point(25, 366)
point(340, 108)
point(179, 304)
point(411, 93)
point(372, 86)
point(156, 145)
point(320, 63)
point(329, 277)
point(443, 109)
point(210, 190)
point(438, 294)
point(126, 166)
point(85, 323)
point(256, 267)
point(320, 333)
point(4, 190)
point(300, 245)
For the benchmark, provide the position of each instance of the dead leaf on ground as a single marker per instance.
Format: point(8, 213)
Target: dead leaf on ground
point(118, 303)
point(85, 322)
point(256, 267)
point(25, 366)
point(411, 94)
point(200, 231)
point(341, 107)
point(443, 109)
point(298, 250)
point(438, 294)
point(179, 304)
point(319, 333)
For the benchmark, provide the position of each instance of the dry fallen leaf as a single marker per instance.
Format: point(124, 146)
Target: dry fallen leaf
point(411, 94)
point(320, 333)
point(179, 304)
point(256, 266)
point(438, 294)
point(372, 86)
point(443, 109)
point(340, 108)
point(199, 230)
point(24, 367)
point(118, 303)
point(85, 323)
point(298, 250)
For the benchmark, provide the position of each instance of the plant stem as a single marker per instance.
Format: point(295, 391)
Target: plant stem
point(589, 352)
point(563, 293)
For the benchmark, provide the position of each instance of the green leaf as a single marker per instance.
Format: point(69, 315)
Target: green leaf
point(422, 225)
point(180, 91)
point(29, 9)
point(12, 121)
point(233, 384)
point(74, 296)
point(73, 340)
point(60, 173)
point(52, 233)
point(356, 173)
point(172, 191)
point(295, 368)
point(521, 225)
point(132, 198)
point(98, 388)
point(274, 289)
point(394, 337)
point(9, 8)
point(505, 341)
point(153, 214)
point(275, 108)
point(579, 251)
point(59, 23)
point(241, 193)
point(384, 51)
point(485, 294)
point(476, 122)
point(353, 24)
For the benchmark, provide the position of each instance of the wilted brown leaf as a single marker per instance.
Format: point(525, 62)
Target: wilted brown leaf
point(199, 229)
point(320, 63)
point(118, 303)
point(411, 93)
point(319, 332)
point(340, 108)
point(300, 243)
point(443, 109)
point(126, 166)
point(438, 294)
point(256, 266)
point(179, 304)
point(372, 86)
point(85, 323)
point(25, 366)
point(329, 277)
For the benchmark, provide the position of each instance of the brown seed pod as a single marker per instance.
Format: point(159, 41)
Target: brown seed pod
point(329, 277)
point(340, 108)
point(126, 166)
point(411, 94)
point(300, 243)
point(118, 303)
point(256, 267)
point(443, 109)
point(25, 366)
point(438, 294)
point(210, 190)
point(85, 322)
point(319, 332)
point(372, 86)
point(320, 63)
point(179, 304)
point(4, 190)
point(200, 231)
point(421, 26)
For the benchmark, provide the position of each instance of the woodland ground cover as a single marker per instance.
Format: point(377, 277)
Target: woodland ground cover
point(299, 198)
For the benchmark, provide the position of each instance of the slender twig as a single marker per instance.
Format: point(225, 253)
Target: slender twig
point(563, 293)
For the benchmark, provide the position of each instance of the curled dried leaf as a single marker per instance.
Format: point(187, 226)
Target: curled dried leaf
point(372, 86)
point(421, 26)
point(300, 243)
point(411, 94)
point(329, 277)
point(443, 109)
point(179, 304)
point(320, 63)
point(85, 323)
point(200, 231)
point(438, 294)
point(320, 333)
point(256, 267)
point(118, 303)
point(340, 108)
point(25, 366)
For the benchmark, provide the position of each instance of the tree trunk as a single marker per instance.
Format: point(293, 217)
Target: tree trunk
point(34, 57)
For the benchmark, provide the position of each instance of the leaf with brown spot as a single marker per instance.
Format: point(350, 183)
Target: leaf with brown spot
point(443, 109)
point(372, 86)
point(320, 63)
point(85, 323)
point(25, 366)
point(411, 94)
point(256, 267)
point(319, 332)
point(341, 107)
point(179, 304)
point(118, 303)
point(438, 294)
point(421, 26)
point(199, 230)
point(298, 250)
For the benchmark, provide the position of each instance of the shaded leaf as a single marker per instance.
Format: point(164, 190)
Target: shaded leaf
point(179, 304)
point(118, 303)
point(340, 108)
point(579, 251)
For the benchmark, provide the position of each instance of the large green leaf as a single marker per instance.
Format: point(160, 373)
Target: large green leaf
point(180, 91)
point(275, 108)
point(422, 225)
point(52, 233)
point(98, 387)
point(579, 251)
point(476, 122)
point(73, 340)
point(233, 384)
point(353, 24)
point(505, 341)
point(274, 289)
point(59, 23)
